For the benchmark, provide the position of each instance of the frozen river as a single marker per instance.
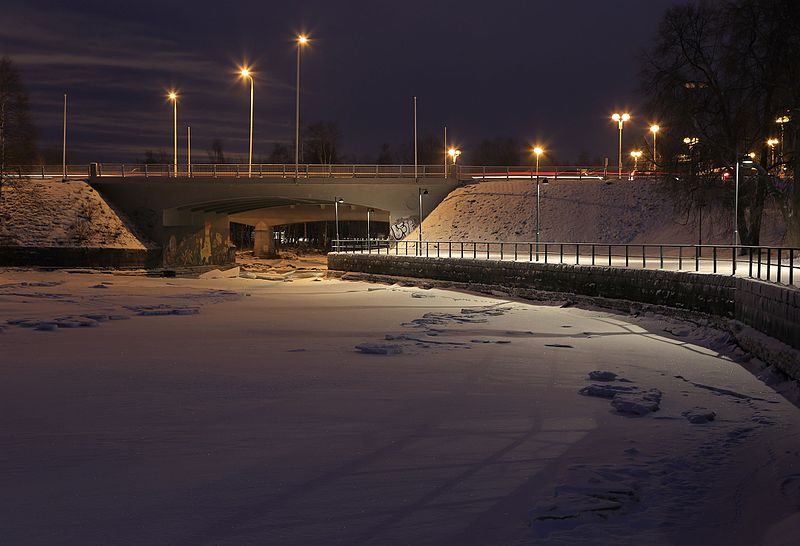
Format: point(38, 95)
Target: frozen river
point(238, 411)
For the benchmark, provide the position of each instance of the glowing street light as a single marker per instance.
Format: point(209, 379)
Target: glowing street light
point(302, 41)
point(620, 119)
point(173, 97)
point(248, 75)
point(772, 142)
point(454, 153)
point(654, 129)
point(636, 154)
point(538, 151)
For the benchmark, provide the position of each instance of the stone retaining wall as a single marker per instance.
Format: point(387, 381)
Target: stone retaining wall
point(768, 308)
point(112, 258)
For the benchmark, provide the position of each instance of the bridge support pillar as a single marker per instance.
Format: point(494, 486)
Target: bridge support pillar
point(264, 243)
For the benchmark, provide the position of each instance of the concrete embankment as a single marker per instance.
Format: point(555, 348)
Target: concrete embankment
point(738, 303)
point(54, 223)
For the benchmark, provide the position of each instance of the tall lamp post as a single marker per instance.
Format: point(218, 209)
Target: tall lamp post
point(636, 154)
point(336, 202)
point(189, 150)
point(302, 41)
point(248, 75)
point(655, 129)
point(772, 142)
point(620, 119)
point(538, 151)
point(454, 153)
point(369, 213)
point(64, 144)
point(782, 121)
point(422, 191)
point(743, 159)
point(173, 96)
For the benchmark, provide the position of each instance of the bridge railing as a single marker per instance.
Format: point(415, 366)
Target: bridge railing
point(304, 171)
point(779, 265)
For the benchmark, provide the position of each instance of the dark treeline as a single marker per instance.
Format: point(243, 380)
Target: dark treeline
point(17, 133)
point(722, 79)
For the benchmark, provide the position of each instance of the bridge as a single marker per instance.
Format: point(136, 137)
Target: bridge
point(189, 214)
point(187, 209)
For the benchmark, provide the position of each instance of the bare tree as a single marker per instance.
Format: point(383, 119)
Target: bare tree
point(722, 73)
point(17, 134)
point(321, 143)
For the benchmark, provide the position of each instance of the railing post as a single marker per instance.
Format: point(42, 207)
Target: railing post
point(214, 170)
point(561, 253)
point(627, 254)
point(609, 255)
point(791, 267)
point(769, 263)
point(545, 253)
point(758, 267)
point(661, 256)
point(145, 170)
point(715, 259)
point(501, 252)
point(733, 260)
point(462, 250)
point(515, 251)
point(42, 172)
point(697, 251)
point(487, 250)
point(530, 252)
point(474, 250)
point(750, 262)
point(680, 257)
point(644, 257)
point(779, 266)
point(577, 254)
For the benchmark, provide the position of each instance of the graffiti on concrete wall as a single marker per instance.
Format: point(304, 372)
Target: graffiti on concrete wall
point(208, 245)
point(401, 227)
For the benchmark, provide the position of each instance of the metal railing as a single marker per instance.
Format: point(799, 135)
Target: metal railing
point(779, 265)
point(305, 171)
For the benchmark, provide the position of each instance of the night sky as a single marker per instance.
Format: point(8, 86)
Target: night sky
point(543, 71)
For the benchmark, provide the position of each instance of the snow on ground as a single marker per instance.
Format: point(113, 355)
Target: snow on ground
point(254, 419)
point(50, 212)
point(578, 211)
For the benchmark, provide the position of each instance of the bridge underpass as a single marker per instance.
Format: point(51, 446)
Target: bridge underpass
point(190, 217)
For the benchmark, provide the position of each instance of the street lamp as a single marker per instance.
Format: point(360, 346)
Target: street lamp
point(336, 202)
point(654, 129)
point(772, 142)
point(454, 153)
point(620, 119)
point(745, 159)
point(369, 213)
point(636, 154)
point(248, 75)
point(302, 40)
point(422, 191)
point(173, 96)
point(537, 151)
point(782, 121)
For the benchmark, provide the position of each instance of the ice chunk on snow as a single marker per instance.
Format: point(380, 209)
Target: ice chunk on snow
point(605, 391)
point(599, 375)
point(379, 349)
point(698, 416)
point(637, 403)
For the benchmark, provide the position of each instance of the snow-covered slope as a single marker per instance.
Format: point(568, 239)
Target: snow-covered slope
point(579, 211)
point(52, 213)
